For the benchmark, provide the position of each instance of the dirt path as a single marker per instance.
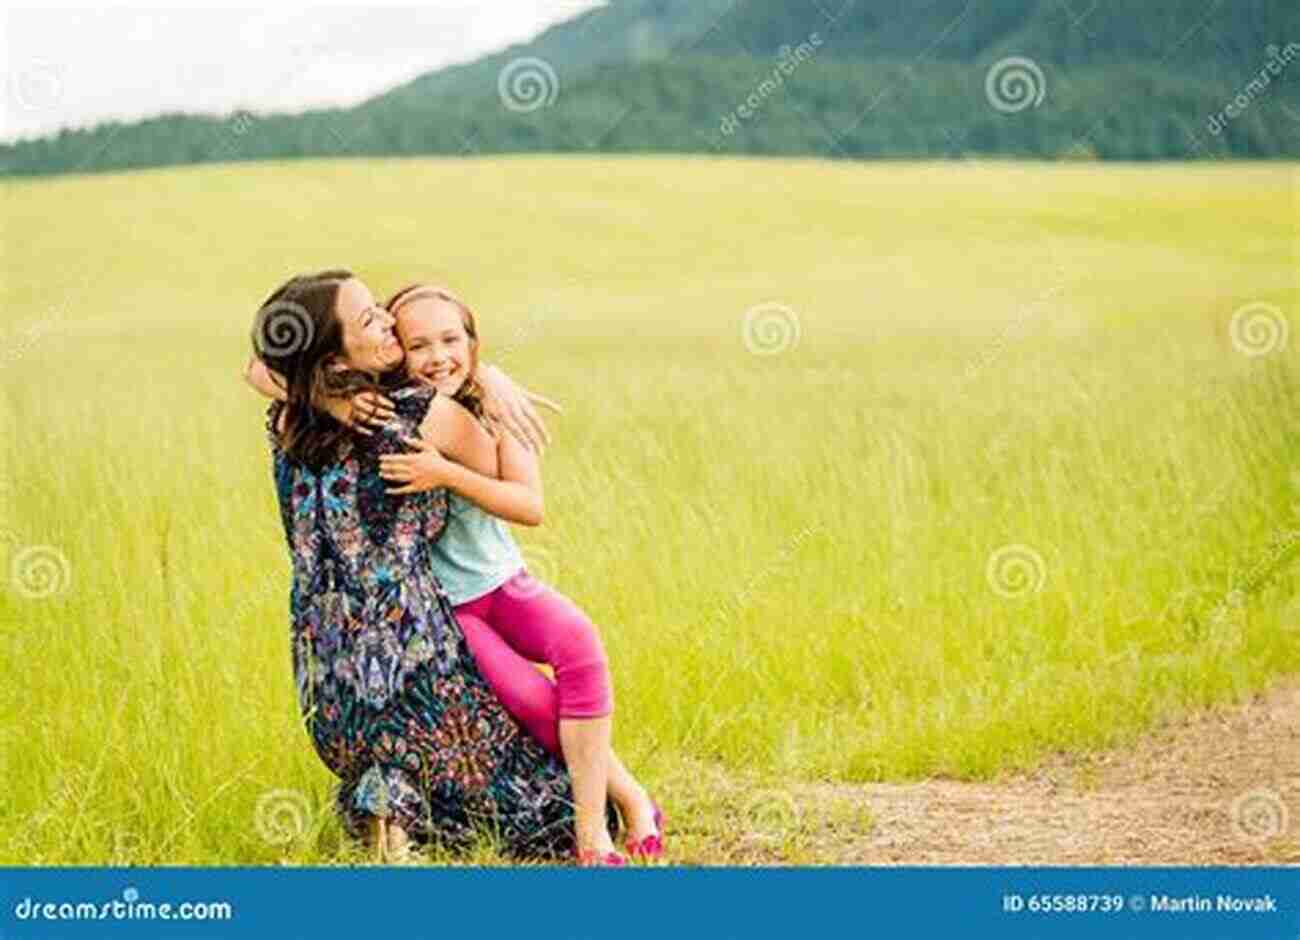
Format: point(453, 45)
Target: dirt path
point(1219, 788)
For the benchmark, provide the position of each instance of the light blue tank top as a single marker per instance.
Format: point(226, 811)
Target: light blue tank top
point(475, 554)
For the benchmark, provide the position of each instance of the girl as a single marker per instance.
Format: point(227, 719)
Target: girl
point(509, 619)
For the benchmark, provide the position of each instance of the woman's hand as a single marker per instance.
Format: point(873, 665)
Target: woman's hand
point(426, 469)
point(508, 407)
point(364, 412)
point(368, 412)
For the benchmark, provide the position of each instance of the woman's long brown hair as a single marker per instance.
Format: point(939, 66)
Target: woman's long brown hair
point(297, 333)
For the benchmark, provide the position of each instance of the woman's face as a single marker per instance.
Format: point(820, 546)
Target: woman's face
point(438, 350)
point(369, 343)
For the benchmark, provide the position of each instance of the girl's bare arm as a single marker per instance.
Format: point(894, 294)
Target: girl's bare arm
point(500, 476)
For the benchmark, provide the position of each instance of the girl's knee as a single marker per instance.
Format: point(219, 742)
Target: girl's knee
point(583, 687)
point(576, 640)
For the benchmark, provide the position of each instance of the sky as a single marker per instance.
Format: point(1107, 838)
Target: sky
point(73, 67)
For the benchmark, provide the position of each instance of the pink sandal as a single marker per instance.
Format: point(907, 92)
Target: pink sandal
point(590, 858)
point(651, 846)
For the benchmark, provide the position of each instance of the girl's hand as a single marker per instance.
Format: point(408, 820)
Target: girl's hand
point(265, 381)
point(508, 407)
point(426, 469)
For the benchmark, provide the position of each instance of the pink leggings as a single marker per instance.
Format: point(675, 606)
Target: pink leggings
point(523, 622)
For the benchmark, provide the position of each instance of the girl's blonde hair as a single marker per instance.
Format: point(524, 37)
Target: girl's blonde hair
point(470, 394)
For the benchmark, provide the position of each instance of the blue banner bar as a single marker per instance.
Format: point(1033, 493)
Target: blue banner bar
point(650, 903)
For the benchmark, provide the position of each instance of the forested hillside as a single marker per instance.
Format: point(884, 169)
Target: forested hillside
point(1165, 79)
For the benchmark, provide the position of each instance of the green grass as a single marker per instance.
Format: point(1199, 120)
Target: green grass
point(788, 554)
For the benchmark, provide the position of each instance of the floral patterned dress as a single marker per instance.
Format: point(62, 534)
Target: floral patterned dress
point(388, 690)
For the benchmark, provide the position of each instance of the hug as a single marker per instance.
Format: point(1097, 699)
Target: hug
point(416, 628)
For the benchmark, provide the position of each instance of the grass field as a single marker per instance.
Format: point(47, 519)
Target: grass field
point(868, 471)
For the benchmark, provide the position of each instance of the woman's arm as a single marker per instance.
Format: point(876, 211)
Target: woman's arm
point(364, 413)
point(515, 497)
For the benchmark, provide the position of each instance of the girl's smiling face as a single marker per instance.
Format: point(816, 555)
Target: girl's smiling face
point(439, 349)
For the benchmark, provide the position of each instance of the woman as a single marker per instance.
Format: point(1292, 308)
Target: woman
point(509, 619)
point(392, 698)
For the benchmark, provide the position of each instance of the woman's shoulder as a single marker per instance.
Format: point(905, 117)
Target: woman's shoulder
point(412, 401)
point(412, 391)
